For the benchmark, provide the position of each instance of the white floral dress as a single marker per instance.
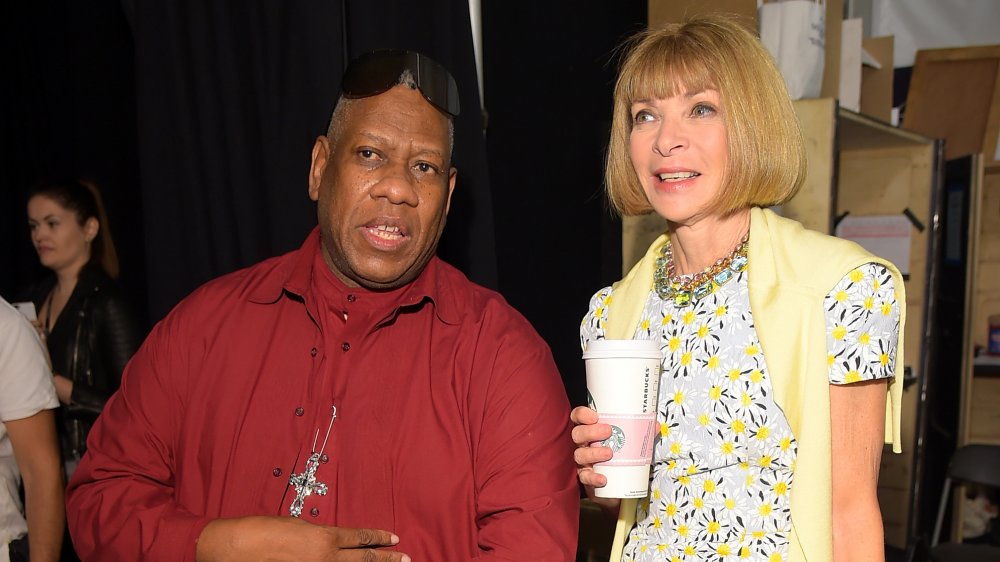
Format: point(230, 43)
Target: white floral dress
point(722, 467)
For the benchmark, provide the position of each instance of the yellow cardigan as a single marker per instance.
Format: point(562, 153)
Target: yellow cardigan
point(790, 272)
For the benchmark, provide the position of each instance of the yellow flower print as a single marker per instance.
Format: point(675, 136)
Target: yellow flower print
point(715, 392)
point(780, 488)
point(839, 332)
point(702, 331)
point(857, 275)
point(721, 311)
point(688, 317)
point(713, 362)
point(686, 358)
point(865, 338)
point(852, 376)
point(752, 350)
point(886, 308)
point(841, 296)
point(674, 343)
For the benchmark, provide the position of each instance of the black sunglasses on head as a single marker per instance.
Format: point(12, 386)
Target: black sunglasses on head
point(376, 72)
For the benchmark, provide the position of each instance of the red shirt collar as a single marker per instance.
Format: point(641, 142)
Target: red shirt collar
point(299, 269)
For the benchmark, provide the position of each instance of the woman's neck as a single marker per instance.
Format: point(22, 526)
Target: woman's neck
point(66, 277)
point(699, 245)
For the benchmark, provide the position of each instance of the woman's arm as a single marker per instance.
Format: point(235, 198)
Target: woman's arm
point(857, 413)
point(118, 337)
point(36, 451)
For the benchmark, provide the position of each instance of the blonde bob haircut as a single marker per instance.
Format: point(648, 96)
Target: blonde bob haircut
point(766, 161)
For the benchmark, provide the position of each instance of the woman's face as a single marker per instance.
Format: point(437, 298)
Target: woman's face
point(58, 237)
point(679, 151)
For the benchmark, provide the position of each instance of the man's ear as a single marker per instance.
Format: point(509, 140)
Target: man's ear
point(452, 176)
point(320, 158)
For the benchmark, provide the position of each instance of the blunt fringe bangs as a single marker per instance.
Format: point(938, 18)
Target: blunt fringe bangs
point(766, 156)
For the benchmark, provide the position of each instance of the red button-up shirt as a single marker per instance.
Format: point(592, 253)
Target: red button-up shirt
point(451, 431)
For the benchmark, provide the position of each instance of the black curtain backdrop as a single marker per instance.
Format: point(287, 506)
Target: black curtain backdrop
point(197, 117)
point(550, 74)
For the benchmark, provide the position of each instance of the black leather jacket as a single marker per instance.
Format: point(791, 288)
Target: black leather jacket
point(92, 340)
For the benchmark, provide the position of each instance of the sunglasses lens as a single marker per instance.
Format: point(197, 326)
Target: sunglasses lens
point(377, 71)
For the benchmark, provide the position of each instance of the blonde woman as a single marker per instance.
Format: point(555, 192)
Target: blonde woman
point(780, 344)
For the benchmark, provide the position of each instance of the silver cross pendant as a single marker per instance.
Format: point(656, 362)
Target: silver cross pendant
point(305, 485)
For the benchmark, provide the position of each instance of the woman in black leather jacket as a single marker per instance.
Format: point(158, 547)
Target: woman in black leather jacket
point(85, 320)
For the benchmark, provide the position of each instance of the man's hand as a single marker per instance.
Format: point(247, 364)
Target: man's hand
point(287, 539)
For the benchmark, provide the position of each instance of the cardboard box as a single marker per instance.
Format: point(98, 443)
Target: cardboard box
point(876, 81)
point(955, 95)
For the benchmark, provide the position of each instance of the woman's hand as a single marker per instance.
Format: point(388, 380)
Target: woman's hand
point(64, 388)
point(588, 431)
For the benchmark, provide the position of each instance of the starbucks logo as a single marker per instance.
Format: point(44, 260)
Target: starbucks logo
point(590, 401)
point(617, 439)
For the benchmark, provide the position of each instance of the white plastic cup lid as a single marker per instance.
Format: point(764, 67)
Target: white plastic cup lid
point(610, 349)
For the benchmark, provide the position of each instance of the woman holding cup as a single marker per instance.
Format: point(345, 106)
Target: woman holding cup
point(779, 344)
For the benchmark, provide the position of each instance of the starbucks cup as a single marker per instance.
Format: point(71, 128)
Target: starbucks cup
point(622, 381)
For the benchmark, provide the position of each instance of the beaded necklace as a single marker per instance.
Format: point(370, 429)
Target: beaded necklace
point(688, 289)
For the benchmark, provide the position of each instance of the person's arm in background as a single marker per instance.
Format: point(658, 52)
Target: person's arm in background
point(118, 336)
point(36, 450)
point(857, 413)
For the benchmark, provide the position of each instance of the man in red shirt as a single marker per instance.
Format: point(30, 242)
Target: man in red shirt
point(356, 399)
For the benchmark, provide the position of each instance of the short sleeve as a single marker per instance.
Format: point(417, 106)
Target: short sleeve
point(862, 326)
point(593, 325)
point(25, 379)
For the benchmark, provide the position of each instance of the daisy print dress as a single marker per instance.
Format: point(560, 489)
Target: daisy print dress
point(722, 466)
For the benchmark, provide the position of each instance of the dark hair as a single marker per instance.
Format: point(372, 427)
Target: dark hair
point(83, 198)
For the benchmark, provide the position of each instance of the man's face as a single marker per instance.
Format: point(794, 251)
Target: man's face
point(383, 189)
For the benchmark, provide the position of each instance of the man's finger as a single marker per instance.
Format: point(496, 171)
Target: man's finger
point(355, 538)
